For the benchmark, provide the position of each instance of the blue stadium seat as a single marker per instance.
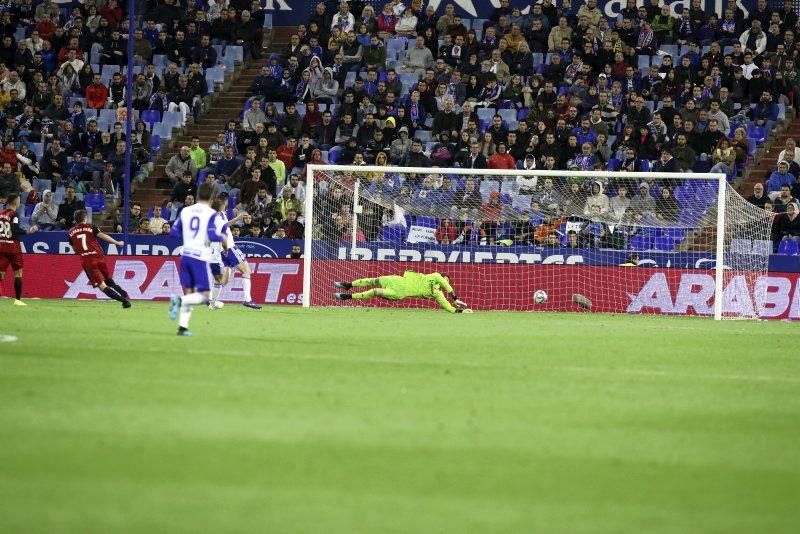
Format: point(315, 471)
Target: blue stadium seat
point(671, 50)
point(486, 114)
point(757, 133)
point(393, 46)
point(334, 153)
point(172, 118)
point(640, 242)
point(409, 78)
point(217, 73)
point(789, 247)
point(236, 52)
point(163, 131)
point(394, 234)
point(108, 115)
point(104, 125)
point(643, 62)
point(155, 144)
point(508, 115)
point(40, 184)
point(96, 201)
point(151, 116)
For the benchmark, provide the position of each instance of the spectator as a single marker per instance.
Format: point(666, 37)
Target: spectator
point(67, 209)
point(179, 164)
point(185, 187)
point(45, 214)
point(197, 154)
point(684, 154)
point(787, 225)
point(642, 202)
point(783, 199)
point(157, 222)
point(446, 233)
point(294, 229)
point(96, 94)
point(758, 198)
point(287, 202)
point(501, 159)
point(778, 179)
point(418, 58)
point(298, 188)
point(226, 166)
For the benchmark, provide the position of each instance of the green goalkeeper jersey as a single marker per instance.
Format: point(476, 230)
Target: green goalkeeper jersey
point(428, 286)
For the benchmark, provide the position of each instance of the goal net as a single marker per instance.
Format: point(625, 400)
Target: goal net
point(676, 243)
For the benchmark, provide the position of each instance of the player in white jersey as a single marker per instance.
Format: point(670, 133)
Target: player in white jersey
point(229, 258)
point(197, 226)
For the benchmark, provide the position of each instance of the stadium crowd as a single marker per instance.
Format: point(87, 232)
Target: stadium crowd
point(403, 83)
point(63, 75)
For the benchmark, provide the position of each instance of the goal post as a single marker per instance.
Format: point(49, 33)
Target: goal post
point(628, 242)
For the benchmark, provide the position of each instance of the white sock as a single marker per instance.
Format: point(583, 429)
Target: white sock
point(215, 291)
point(184, 316)
point(246, 287)
point(193, 299)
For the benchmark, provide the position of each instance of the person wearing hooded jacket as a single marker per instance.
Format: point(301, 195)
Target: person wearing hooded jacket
point(597, 199)
point(400, 146)
point(326, 89)
point(45, 214)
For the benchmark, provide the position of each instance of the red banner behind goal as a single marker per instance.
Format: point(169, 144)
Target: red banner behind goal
point(645, 290)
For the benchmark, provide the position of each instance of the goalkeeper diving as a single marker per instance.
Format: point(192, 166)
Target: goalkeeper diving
point(410, 285)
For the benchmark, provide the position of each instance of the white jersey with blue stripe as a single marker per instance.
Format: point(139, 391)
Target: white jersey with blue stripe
point(222, 229)
point(197, 226)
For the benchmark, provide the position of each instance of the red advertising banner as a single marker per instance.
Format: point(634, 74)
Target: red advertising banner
point(154, 278)
point(611, 289)
point(483, 286)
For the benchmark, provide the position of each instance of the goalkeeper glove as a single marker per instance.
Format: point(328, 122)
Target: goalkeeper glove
point(461, 304)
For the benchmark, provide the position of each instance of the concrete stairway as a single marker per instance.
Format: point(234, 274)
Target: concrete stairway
point(767, 157)
point(225, 104)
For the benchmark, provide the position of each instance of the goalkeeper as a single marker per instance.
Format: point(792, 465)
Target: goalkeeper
point(411, 284)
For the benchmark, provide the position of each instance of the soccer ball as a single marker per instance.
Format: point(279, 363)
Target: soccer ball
point(217, 305)
point(540, 297)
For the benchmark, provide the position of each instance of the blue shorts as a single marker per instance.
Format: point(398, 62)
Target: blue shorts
point(233, 257)
point(216, 268)
point(195, 274)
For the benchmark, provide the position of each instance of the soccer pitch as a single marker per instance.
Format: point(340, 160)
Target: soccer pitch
point(381, 420)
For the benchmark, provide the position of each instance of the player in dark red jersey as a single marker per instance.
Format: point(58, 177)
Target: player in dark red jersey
point(10, 250)
point(83, 237)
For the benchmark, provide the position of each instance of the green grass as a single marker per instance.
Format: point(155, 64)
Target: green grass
point(357, 420)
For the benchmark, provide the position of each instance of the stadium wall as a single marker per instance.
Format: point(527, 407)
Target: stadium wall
point(671, 291)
